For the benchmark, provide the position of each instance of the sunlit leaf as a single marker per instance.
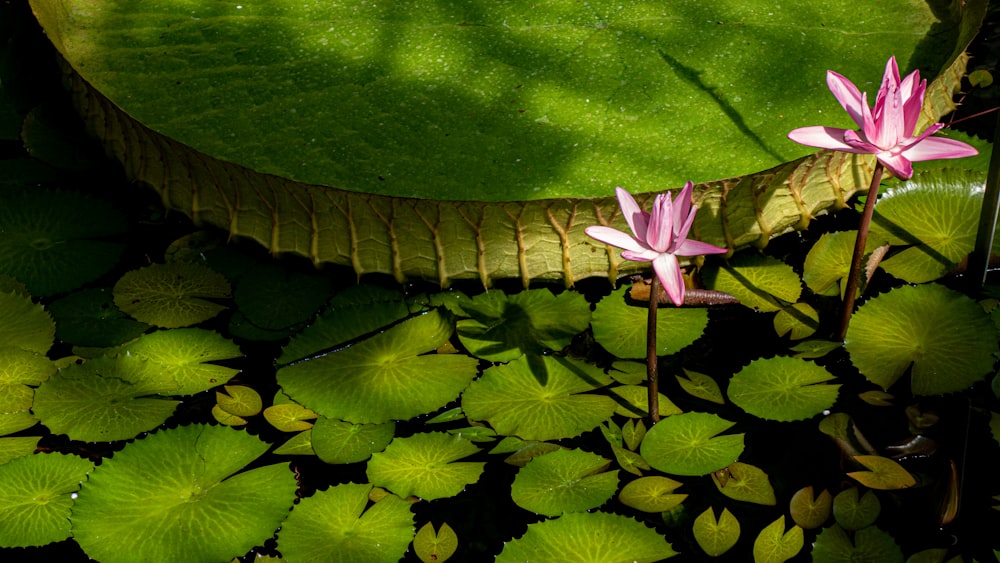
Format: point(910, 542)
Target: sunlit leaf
point(289, 417)
point(716, 537)
point(299, 444)
point(633, 431)
point(504, 327)
point(12, 448)
point(941, 336)
point(759, 282)
point(651, 494)
point(745, 482)
point(884, 473)
point(585, 537)
point(798, 321)
point(564, 481)
point(336, 441)
point(854, 511)
point(24, 324)
point(515, 401)
point(339, 525)
point(426, 466)
point(701, 386)
point(185, 358)
point(172, 295)
point(689, 444)
point(620, 326)
point(239, 400)
point(633, 402)
point(629, 460)
point(433, 547)
point(36, 497)
point(810, 511)
point(783, 389)
point(775, 545)
point(226, 418)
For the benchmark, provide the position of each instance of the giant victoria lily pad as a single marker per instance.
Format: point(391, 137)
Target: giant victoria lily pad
point(280, 120)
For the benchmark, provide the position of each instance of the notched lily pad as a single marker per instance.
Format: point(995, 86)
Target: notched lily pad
point(716, 537)
point(809, 510)
point(883, 473)
point(651, 494)
point(745, 482)
point(833, 545)
point(185, 357)
point(426, 466)
point(689, 444)
point(759, 282)
point(620, 326)
point(433, 547)
point(36, 493)
point(564, 481)
point(24, 324)
point(336, 441)
point(172, 295)
point(854, 511)
point(775, 545)
point(783, 389)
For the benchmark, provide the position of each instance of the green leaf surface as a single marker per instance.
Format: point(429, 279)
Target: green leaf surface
point(289, 417)
point(239, 400)
point(620, 326)
point(564, 481)
point(854, 511)
point(172, 295)
point(884, 473)
point(182, 495)
point(808, 510)
point(716, 537)
point(943, 337)
point(298, 444)
point(504, 327)
point(184, 357)
point(759, 282)
point(775, 545)
point(633, 431)
point(90, 318)
point(13, 448)
point(701, 386)
point(797, 321)
point(336, 441)
point(54, 241)
point(783, 389)
point(833, 545)
point(633, 402)
point(745, 482)
point(384, 377)
point(588, 537)
point(425, 465)
point(36, 498)
point(540, 398)
point(433, 547)
point(689, 444)
point(651, 494)
point(24, 324)
point(339, 526)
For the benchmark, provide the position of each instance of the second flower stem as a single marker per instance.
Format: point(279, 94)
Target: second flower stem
point(652, 369)
point(853, 276)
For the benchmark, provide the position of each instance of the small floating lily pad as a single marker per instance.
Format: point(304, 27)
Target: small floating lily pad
point(809, 510)
point(336, 441)
point(340, 525)
point(36, 493)
point(689, 444)
point(833, 545)
point(716, 537)
point(775, 545)
point(504, 327)
point(426, 466)
point(745, 482)
point(172, 295)
point(651, 494)
point(182, 495)
point(430, 546)
point(854, 511)
point(584, 537)
point(701, 386)
point(759, 282)
point(620, 326)
point(384, 377)
point(883, 473)
point(564, 481)
point(941, 336)
point(783, 389)
point(515, 402)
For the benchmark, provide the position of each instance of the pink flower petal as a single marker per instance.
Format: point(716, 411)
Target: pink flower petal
point(897, 165)
point(682, 204)
point(938, 147)
point(821, 137)
point(661, 224)
point(697, 248)
point(614, 237)
point(847, 94)
point(669, 272)
point(644, 256)
point(636, 218)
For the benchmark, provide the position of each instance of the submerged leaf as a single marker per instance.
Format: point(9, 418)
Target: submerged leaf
point(426, 466)
point(90, 318)
point(564, 481)
point(584, 537)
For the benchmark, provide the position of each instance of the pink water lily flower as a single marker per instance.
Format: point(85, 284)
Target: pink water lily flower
point(659, 238)
point(887, 130)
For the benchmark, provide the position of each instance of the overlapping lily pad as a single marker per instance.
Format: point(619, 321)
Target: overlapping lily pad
point(90, 318)
point(620, 327)
point(36, 497)
point(426, 465)
point(385, 377)
point(513, 399)
point(690, 444)
point(185, 358)
point(340, 526)
point(564, 481)
point(941, 336)
point(759, 282)
point(505, 327)
point(182, 495)
point(586, 537)
point(654, 493)
point(24, 324)
point(20, 369)
point(783, 388)
point(336, 441)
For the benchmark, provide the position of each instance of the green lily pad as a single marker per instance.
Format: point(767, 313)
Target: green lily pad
point(854, 511)
point(431, 547)
point(299, 444)
point(759, 282)
point(775, 545)
point(783, 389)
point(384, 377)
point(239, 400)
point(172, 295)
point(426, 466)
point(513, 399)
point(275, 298)
point(935, 216)
point(182, 495)
point(883, 473)
point(90, 318)
point(630, 461)
point(24, 324)
point(36, 498)
point(689, 444)
point(798, 321)
point(633, 402)
point(941, 336)
point(336, 441)
point(808, 510)
point(829, 261)
point(833, 545)
point(53, 241)
point(633, 431)
point(290, 417)
point(651, 494)
point(701, 386)
point(504, 327)
point(339, 526)
point(620, 327)
point(588, 537)
point(103, 399)
point(716, 537)
point(564, 481)
point(745, 482)
point(184, 358)
point(13, 448)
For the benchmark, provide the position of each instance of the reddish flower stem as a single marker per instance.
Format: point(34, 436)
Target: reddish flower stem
point(853, 276)
point(652, 369)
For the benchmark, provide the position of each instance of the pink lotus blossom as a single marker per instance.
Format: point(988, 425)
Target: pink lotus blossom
point(659, 237)
point(887, 130)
